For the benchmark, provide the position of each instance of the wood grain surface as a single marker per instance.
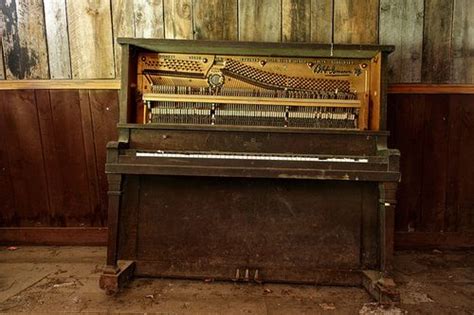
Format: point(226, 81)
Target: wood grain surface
point(401, 24)
point(215, 19)
point(296, 20)
point(90, 38)
point(77, 39)
point(462, 70)
point(178, 17)
point(437, 41)
point(260, 20)
point(57, 38)
point(23, 38)
point(355, 21)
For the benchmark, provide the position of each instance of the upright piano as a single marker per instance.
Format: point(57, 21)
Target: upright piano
point(255, 162)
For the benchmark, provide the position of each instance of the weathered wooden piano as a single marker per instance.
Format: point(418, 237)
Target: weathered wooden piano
point(252, 162)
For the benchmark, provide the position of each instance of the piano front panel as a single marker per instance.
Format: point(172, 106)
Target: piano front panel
point(223, 90)
point(196, 139)
point(287, 229)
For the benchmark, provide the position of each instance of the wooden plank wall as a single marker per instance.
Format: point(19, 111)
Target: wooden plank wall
point(60, 39)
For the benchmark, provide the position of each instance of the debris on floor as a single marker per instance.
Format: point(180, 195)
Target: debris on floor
point(65, 279)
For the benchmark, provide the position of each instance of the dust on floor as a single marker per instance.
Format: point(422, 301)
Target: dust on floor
point(65, 279)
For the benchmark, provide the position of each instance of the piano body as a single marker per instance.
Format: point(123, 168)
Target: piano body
point(252, 162)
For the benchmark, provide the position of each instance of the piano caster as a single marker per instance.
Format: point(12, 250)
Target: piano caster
point(382, 288)
point(114, 279)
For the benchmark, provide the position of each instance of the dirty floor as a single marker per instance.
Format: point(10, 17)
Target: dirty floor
point(65, 279)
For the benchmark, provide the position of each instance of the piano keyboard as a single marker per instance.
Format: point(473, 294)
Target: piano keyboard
point(243, 156)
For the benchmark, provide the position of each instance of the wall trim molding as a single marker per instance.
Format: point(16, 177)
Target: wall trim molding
point(418, 88)
point(399, 88)
point(59, 84)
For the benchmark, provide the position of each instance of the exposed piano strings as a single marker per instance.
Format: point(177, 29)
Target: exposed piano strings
point(225, 106)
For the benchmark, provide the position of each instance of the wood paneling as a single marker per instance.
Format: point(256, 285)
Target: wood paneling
point(260, 20)
point(396, 17)
point(215, 19)
point(356, 21)
point(23, 39)
point(21, 132)
point(54, 156)
point(434, 135)
point(57, 38)
point(90, 39)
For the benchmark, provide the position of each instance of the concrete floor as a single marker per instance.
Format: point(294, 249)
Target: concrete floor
point(58, 279)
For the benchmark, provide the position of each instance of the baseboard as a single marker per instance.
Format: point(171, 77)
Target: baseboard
point(87, 236)
point(432, 240)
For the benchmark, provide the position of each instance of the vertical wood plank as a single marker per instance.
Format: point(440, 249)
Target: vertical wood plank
point(25, 158)
point(72, 202)
point(23, 39)
point(405, 123)
point(2, 66)
point(7, 195)
point(90, 38)
point(54, 178)
point(296, 20)
point(178, 15)
point(462, 69)
point(123, 26)
point(95, 217)
point(356, 21)
point(260, 20)
point(104, 117)
point(459, 214)
point(321, 21)
point(437, 41)
point(149, 22)
point(396, 18)
point(215, 19)
point(57, 39)
point(435, 159)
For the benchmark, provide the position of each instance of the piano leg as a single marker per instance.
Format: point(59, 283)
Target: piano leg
point(379, 283)
point(115, 274)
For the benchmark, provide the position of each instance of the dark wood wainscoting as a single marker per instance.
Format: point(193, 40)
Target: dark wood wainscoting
point(52, 155)
point(435, 134)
